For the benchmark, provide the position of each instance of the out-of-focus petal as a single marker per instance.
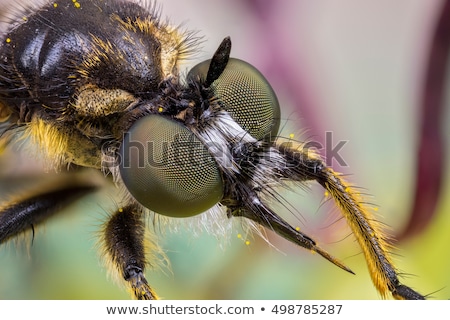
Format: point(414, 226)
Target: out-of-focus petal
point(430, 166)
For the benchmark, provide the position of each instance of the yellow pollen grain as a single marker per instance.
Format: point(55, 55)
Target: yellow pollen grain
point(239, 236)
point(76, 4)
point(55, 5)
point(375, 209)
point(120, 209)
point(347, 189)
point(291, 136)
point(326, 193)
point(247, 242)
point(8, 40)
point(297, 228)
point(160, 109)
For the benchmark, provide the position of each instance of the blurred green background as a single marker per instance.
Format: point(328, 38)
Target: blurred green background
point(360, 66)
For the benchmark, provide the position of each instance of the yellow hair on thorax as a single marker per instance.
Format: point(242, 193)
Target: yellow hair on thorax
point(52, 143)
point(173, 42)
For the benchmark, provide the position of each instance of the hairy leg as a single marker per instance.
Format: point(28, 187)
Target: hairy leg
point(368, 232)
point(124, 247)
point(20, 215)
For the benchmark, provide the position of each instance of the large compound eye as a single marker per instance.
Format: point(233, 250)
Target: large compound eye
point(246, 95)
point(167, 169)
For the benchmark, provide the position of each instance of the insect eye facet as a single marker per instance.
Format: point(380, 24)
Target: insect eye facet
point(246, 95)
point(168, 169)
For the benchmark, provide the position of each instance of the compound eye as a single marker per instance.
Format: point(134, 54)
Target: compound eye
point(167, 169)
point(246, 95)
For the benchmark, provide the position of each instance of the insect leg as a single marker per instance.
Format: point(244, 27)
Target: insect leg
point(304, 165)
point(123, 243)
point(21, 215)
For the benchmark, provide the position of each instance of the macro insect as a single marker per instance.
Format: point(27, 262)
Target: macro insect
point(95, 83)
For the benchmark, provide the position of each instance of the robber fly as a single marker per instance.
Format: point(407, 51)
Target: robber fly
point(95, 83)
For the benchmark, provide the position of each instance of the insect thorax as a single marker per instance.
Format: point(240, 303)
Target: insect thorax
point(69, 96)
